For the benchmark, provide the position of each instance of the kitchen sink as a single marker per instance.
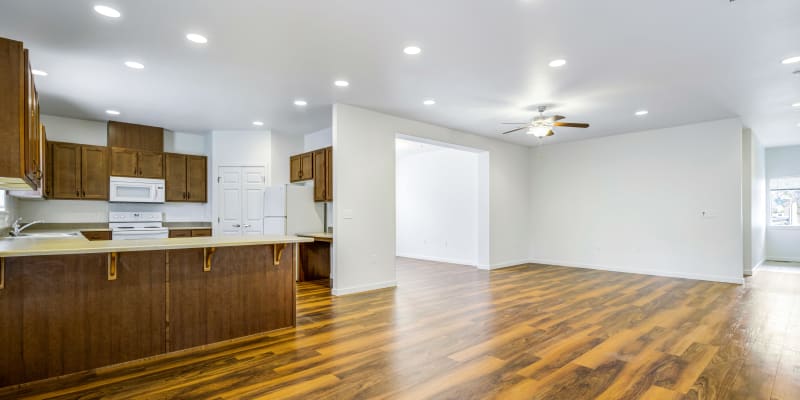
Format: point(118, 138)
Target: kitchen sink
point(45, 235)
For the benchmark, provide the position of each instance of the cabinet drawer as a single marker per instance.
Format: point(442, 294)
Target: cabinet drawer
point(201, 232)
point(96, 235)
point(180, 233)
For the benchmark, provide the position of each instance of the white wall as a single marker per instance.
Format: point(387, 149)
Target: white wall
point(754, 197)
point(437, 203)
point(634, 202)
point(8, 216)
point(783, 243)
point(85, 211)
point(364, 189)
point(318, 140)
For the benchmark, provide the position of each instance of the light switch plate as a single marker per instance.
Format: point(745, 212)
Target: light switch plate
point(347, 213)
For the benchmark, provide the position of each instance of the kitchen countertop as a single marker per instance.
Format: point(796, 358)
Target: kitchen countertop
point(321, 236)
point(79, 245)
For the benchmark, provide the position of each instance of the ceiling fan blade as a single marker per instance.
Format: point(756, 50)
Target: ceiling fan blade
point(514, 130)
point(571, 124)
point(557, 117)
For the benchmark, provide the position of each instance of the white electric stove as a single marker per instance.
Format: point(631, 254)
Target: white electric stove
point(137, 225)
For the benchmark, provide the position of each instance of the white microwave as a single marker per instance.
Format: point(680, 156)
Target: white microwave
point(136, 190)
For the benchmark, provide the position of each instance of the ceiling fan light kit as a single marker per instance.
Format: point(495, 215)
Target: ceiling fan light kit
point(542, 126)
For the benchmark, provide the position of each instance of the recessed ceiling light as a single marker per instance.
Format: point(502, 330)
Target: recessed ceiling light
point(112, 112)
point(38, 72)
point(107, 11)
point(791, 60)
point(300, 103)
point(429, 102)
point(342, 83)
point(642, 113)
point(412, 50)
point(258, 123)
point(197, 38)
point(796, 105)
point(557, 63)
point(134, 65)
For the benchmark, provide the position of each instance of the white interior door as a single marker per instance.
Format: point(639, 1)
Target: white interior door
point(241, 200)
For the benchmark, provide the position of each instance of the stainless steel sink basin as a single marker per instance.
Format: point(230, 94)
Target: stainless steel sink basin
point(45, 235)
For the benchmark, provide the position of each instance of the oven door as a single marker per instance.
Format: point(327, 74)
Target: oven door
point(133, 190)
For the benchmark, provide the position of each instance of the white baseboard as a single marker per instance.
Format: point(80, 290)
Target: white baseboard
point(783, 259)
point(363, 288)
point(753, 270)
point(506, 264)
point(668, 274)
point(439, 259)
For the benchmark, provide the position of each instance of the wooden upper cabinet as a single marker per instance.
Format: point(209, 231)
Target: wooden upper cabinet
point(319, 175)
point(77, 171)
point(151, 165)
point(124, 162)
point(329, 174)
point(20, 165)
point(94, 172)
point(301, 167)
point(196, 178)
point(175, 176)
point(65, 170)
point(186, 177)
point(136, 164)
point(133, 136)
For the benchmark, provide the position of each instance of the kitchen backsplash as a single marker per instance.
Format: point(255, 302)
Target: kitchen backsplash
point(83, 211)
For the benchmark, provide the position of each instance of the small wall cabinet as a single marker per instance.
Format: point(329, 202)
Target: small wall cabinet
point(186, 177)
point(301, 167)
point(77, 171)
point(136, 163)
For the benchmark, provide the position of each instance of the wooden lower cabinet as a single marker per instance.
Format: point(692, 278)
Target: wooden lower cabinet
point(62, 314)
point(315, 261)
point(94, 236)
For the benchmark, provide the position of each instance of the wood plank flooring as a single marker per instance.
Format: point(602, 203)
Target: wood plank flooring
point(528, 332)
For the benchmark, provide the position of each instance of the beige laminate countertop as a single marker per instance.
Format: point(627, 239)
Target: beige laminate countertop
point(318, 235)
point(79, 245)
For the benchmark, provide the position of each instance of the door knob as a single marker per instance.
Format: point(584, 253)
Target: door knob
point(237, 226)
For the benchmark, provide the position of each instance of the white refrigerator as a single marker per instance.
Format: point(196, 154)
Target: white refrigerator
point(290, 209)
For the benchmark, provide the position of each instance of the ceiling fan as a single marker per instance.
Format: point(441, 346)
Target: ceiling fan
point(542, 126)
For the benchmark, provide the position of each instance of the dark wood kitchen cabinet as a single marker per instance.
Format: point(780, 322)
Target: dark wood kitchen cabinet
point(20, 128)
point(323, 174)
point(301, 167)
point(134, 136)
point(77, 171)
point(136, 163)
point(186, 177)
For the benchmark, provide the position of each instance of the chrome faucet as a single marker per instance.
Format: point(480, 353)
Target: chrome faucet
point(16, 229)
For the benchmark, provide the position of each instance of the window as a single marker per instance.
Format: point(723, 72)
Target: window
point(784, 200)
point(2, 200)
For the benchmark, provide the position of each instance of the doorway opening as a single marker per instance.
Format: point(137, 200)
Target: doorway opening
point(441, 202)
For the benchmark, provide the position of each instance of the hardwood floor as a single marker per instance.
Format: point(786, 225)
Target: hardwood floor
point(530, 332)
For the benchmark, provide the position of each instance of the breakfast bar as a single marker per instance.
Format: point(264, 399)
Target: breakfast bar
point(71, 305)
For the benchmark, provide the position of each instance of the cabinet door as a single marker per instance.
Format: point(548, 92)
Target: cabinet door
point(66, 170)
point(294, 169)
point(180, 233)
point(201, 232)
point(47, 167)
point(31, 125)
point(94, 172)
point(329, 174)
point(151, 165)
point(319, 175)
point(196, 177)
point(175, 174)
point(307, 166)
point(124, 162)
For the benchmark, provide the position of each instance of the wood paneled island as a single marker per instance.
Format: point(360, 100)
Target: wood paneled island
point(71, 305)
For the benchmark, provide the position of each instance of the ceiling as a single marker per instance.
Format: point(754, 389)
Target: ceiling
point(485, 62)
